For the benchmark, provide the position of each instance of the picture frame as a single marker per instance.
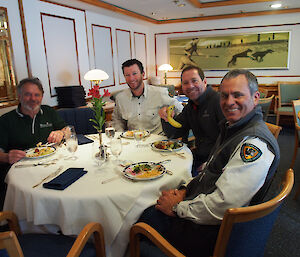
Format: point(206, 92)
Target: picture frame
point(265, 50)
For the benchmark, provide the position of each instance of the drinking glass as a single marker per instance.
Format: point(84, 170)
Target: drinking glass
point(110, 131)
point(138, 136)
point(71, 141)
point(116, 147)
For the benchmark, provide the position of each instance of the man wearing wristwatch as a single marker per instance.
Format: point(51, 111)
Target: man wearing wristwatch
point(238, 173)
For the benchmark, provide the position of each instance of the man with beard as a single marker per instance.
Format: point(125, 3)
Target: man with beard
point(202, 115)
point(27, 125)
point(238, 173)
point(137, 106)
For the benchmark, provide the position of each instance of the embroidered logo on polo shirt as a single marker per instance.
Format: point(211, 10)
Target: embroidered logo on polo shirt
point(250, 153)
point(46, 125)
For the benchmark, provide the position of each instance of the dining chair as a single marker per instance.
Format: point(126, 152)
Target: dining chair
point(265, 104)
point(275, 130)
point(243, 232)
point(296, 110)
point(17, 244)
point(287, 92)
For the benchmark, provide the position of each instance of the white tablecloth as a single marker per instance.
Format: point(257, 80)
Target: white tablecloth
point(116, 205)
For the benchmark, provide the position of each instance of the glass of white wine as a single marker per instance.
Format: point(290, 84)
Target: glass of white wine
point(116, 147)
point(71, 141)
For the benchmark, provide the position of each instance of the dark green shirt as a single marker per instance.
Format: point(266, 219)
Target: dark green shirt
point(19, 131)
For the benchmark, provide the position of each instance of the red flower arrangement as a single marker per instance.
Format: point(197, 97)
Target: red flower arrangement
point(98, 103)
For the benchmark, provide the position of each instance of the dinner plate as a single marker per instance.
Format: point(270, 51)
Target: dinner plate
point(129, 133)
point(40, 152)
point(155, 145)
point(155, 171)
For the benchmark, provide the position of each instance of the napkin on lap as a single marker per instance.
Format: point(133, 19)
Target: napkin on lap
point(83, 139)
point(65, 179)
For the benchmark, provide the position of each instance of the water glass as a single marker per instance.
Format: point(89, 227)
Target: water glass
point(71, 141)
point(116, 147)
point(138, 136)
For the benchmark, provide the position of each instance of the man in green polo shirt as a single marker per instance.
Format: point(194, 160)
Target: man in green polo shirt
point(26, 126)
point(29, 124)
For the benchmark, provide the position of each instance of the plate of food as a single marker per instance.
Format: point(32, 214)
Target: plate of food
point(40, 152)
point(130, 133)
point(167, 145)
point(144, 171)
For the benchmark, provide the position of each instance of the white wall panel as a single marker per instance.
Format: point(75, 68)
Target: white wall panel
point(61, 51)
point(38, 58)
point(103, 52)
point(140, 46)
point(123, 38)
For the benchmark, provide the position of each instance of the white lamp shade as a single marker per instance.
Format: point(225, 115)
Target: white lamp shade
point(96, 74)
point(165, 67)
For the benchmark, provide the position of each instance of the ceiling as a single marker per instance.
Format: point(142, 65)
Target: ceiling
point(169, 11)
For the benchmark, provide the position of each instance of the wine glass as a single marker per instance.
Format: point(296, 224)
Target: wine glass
point(116, 147)
point(71, 141)
point(110, 131)
point(138, 135)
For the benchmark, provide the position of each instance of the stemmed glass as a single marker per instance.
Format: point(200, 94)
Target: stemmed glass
point(116, 147)
point(138, 135)
point(110, 131)
point(71, 141)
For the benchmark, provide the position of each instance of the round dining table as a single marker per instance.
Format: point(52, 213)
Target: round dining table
point(102, 195)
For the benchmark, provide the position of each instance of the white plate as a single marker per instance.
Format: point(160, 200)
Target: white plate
point(129, 133)
point(153, 147)
point(39, 152)
point(128, 171)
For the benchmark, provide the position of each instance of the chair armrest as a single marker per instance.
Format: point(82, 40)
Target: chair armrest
point(149, 232)
point(12, 220)
point(9, 242)
point(276, 105)
point(89, 229)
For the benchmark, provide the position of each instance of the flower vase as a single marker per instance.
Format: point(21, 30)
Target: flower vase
point(100, 137)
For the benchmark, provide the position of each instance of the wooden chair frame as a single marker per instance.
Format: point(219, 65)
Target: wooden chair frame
point(279, 103)
point(233, 215)
point(275, 130)
point(9, 240)
point(297, 129)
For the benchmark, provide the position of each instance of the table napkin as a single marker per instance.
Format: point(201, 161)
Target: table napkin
point(65, 179)
point(83, 139)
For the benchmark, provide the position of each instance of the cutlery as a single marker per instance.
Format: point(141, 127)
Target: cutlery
point(36, 164)
point(109, 179)
point(181, 155)
point(51, 175)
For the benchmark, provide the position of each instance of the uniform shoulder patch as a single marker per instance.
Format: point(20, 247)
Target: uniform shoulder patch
point(250, 153)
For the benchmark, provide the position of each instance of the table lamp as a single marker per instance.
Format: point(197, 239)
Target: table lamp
point(165, 67)
point(96, 76)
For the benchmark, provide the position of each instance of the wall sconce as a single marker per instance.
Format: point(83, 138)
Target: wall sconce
point(96, 76)
point(165, 68)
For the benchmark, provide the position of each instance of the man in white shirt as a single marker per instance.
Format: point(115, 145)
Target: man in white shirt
point(238, 172)
point(137, 106)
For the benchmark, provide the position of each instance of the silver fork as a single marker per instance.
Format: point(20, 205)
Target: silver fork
point(51, 175)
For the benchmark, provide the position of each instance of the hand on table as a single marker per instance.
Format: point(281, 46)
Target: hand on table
point(168, 199)
point(55, 136)
point(15, 155)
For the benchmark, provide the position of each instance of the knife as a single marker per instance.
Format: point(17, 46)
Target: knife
point(51, 175)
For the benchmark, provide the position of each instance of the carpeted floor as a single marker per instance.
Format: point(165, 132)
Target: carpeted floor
point(284, 240)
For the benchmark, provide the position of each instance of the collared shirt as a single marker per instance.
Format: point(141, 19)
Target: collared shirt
point(142, 112)
point(20, 131)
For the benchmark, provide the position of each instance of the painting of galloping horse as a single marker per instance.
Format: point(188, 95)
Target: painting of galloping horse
point(266, 50)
